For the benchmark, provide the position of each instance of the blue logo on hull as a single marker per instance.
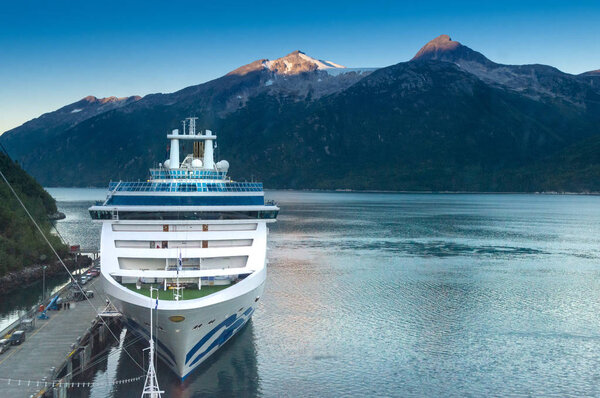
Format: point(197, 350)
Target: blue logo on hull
point(226, 328)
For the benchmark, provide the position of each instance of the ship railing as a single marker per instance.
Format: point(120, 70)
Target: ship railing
point(185, 187)
point(183, 173)
point(154, 273)
point(183, 268)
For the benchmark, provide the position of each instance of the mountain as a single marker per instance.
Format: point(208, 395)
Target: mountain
point(540, 82)
point(591, 73)
point(412, 126)
point(20, 242)
point(45, 127)
point(449, 119)
point(592, 78)
point(126, 127)
point(442, 48)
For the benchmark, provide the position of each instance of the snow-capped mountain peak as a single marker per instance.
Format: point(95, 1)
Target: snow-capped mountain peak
point(292, 64)
point(298, 62)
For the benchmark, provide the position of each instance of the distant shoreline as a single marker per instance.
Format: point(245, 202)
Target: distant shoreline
point(342, 190)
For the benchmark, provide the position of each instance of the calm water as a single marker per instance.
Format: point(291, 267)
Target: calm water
point(404, 295)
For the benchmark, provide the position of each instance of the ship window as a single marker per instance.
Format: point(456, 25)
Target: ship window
point(187, 187)
point(256, 299)
point(241, 309)
point(211, 322)
point(198, 326)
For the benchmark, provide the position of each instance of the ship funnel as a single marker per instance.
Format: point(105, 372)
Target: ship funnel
point(174, 158)
point(209, 162)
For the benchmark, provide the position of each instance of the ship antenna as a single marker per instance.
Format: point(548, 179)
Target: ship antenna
point(179, 268)
point(151, 388)
point(192, 125)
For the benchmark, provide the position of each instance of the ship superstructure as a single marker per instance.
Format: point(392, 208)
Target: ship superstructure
point(199, 237)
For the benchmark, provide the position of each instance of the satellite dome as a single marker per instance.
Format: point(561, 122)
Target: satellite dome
point(166, 164)
point(223, 165)
point(196, 163)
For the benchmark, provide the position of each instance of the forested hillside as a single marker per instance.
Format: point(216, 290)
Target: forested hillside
point(20, 243)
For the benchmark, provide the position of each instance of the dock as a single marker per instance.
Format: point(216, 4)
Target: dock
point(54, 347)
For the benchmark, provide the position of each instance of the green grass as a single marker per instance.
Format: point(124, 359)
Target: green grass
point(188, 294)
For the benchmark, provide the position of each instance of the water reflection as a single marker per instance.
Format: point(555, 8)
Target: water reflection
point(19, 301)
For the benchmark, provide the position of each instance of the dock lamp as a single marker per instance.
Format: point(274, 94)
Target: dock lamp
point(43, 258)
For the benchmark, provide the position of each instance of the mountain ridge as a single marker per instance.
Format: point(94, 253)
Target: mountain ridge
point(541, 82)
point(449, 119)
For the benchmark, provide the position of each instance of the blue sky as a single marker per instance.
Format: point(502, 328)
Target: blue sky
point(56, 52)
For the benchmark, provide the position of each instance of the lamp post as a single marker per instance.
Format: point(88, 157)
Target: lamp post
point(44, 283)
point(43, 258)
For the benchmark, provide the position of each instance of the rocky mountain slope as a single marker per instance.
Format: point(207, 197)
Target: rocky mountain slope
point(44, 128)
point(449, 119)
point(540, 82)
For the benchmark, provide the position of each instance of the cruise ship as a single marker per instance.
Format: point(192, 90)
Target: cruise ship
point(198, 236)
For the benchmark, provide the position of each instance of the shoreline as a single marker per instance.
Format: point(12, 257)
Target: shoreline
point(17, 279)
point(342, 190)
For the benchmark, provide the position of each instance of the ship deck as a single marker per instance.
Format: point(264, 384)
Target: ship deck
point(187, 293)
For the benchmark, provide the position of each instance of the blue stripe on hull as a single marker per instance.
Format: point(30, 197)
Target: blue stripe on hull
point(232, 325)
point(143, 200)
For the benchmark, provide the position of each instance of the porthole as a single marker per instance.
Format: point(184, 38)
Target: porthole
point(176, 318)
point(211, 322)
point(198, 326)
point(256, 299)
point(241, 309)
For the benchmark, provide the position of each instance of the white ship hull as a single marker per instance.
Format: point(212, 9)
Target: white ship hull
point(187, 331)
point(183, 346)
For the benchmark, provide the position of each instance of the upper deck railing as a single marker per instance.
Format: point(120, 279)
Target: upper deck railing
point(162, 174)
point(228, 186)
